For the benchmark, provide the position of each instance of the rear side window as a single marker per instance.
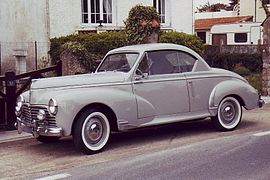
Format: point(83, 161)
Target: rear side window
point(186, 61)
point(166, 62)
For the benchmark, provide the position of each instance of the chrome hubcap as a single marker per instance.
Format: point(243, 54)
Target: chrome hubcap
point(94, 130)
point(228, 112)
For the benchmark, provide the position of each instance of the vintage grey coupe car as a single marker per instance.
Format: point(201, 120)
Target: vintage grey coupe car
point(133, 87)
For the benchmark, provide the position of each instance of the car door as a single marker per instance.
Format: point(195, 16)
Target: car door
point(200, 83)
point(159, 86)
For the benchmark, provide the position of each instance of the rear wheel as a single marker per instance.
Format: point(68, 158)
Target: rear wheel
point(91, 131)
point(47, 139)
point(229, 114)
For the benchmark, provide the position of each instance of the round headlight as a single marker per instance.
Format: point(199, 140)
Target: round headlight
point(41, 115)
point(19, 103)
point(52, 107)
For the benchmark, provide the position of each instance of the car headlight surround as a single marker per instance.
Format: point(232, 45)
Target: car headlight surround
point(19, 103)
point(52, 107)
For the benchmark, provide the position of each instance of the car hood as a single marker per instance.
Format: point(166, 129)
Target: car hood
point(101, 78)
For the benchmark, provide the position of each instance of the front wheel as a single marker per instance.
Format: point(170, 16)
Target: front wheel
point(91, 131)
point(229, 114)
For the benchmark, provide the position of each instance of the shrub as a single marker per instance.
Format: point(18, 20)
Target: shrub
point(253, 62)
point(142, 21)
point(255, 79)
point(191, 41)
point(87, 47)
point(90, 48)
point(241, 70)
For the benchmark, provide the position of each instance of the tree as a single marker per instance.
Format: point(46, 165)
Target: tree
point(265, 7)
point(212, 7)
point(141, 24)
point(232, 4)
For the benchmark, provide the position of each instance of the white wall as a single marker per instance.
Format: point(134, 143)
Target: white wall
point(179, 15)
point(231, 29)
point(25, 21)
point(206, 15)
point(65, 17)
point(22, 23)
point(249, 8)
point(182, 17)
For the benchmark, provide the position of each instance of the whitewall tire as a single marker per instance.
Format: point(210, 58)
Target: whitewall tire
point(91, 132)
point(229, 114)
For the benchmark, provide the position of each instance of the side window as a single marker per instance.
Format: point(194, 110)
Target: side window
point(163, 62)
point(143, 66)
point(186, 62)
point(240, 37)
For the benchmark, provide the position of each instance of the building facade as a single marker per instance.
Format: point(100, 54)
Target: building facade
point(253, 8)
point(27, 25)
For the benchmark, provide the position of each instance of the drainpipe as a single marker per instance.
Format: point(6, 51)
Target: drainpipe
point(255, 16)
point(48, 28)
point(0, 59)
point(193, 19)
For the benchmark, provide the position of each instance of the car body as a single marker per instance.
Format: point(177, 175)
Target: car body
point(134, 86)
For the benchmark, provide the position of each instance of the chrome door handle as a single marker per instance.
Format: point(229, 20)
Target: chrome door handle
point(138, 82)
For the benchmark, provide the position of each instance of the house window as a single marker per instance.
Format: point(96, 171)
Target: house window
point(240, 37)
point(202, 36)
point(95, 10)
point(160, 7)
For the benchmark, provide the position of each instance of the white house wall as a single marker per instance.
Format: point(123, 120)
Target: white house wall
point(182, 17)
point(22, 23)
point(249, 8)
point(25, 21)
point(65, 17)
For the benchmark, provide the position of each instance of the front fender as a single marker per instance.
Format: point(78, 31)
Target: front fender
point(234, 87)
point(71, 101)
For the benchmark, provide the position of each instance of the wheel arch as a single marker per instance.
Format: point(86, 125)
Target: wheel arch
point(243, 92)
point(102, 107)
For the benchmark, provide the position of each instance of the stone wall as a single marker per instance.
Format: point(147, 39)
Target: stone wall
point(266, 57)
point(232, 49)
point(70, 64)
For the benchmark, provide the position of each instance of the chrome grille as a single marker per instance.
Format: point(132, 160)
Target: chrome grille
point(29, 114)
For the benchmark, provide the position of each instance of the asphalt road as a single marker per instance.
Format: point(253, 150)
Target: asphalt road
point(239, 157)
point(188, 150)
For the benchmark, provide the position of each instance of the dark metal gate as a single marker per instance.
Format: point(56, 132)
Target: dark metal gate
point(10, 91)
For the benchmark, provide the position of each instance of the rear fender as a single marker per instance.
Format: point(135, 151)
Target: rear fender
point(236, 88)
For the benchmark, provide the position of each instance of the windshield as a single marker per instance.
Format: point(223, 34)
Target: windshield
point(118, 62)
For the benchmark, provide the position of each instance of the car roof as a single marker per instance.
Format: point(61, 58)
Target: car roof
point(151, 47)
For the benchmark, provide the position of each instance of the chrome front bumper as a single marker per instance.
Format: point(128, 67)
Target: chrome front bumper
point(38, 130)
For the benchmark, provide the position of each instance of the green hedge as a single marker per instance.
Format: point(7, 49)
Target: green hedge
point(95, 44)
point(253, 62)
point(247, 65)
point(89, 48)
point(191, 41)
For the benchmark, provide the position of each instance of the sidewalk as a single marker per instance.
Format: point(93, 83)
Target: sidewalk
point(8, 136)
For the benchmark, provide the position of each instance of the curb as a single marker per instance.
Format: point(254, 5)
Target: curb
point(10, 136)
